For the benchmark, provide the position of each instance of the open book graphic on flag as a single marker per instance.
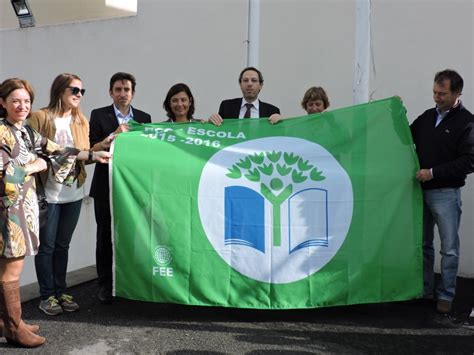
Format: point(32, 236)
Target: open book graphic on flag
point(307, 221)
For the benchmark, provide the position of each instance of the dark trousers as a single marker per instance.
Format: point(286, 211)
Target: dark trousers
point(103, 251)
point(55, 237)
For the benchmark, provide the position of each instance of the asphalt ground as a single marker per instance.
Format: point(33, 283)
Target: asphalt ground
point(131, 327)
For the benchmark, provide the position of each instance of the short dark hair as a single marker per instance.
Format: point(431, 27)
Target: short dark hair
point(122, 76)
point(176, 89)
point(10, 85)
point(455, 80)
point(315, 93)
point(260, 76)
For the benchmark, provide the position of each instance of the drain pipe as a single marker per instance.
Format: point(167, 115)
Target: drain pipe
point(253, 40)
point(360, 86)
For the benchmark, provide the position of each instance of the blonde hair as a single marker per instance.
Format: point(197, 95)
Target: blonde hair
point(58, 87)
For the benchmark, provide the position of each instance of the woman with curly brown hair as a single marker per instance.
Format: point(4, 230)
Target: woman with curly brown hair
point(19, 219)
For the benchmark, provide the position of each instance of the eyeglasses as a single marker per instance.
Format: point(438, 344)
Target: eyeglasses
point(75, 90)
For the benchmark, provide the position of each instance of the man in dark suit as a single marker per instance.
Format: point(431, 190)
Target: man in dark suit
point(107, 122)
point(248, 106)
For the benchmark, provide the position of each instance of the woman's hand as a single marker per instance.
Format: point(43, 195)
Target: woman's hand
point(37, 166)
point(215, 119)
point(101, 156)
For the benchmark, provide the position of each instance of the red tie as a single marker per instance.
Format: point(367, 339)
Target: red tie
point(247, 113)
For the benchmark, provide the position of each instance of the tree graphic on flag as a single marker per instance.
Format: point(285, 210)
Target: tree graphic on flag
point(273, 170)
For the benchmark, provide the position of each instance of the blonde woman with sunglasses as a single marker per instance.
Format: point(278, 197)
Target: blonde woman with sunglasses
point(63, 122)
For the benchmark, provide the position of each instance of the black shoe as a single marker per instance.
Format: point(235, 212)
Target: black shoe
point(444, 306)
point(105, 296)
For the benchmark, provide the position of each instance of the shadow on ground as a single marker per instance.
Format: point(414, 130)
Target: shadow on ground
point(143, 327)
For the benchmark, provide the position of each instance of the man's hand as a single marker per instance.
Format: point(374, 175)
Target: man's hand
point(424, 175)
point(105, 143)
point(121, 128)
point(275, 118)
point(215, 119)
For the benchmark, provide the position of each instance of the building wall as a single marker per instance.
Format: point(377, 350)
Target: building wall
point(202, 43)
point(306, 43)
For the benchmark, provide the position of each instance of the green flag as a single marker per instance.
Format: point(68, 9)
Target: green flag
point(314, 211)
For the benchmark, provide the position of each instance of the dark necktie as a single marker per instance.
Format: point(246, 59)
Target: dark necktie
point(247, 113)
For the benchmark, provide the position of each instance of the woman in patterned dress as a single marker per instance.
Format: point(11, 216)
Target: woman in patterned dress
point(19, 223)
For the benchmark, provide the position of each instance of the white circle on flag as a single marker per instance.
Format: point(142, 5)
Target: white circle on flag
point(314, 219)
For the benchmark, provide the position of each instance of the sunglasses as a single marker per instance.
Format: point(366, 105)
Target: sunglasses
point(75, 90)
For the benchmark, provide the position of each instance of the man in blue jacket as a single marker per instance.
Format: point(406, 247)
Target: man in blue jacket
point(444, 142)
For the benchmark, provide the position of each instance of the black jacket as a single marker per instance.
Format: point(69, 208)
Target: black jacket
point(447, 149)
point(103, 122)
point(231, 108)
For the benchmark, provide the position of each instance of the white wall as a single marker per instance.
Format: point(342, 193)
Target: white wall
point(202, 43)
point(307, 42)
point(167, 42)
point(412, 41)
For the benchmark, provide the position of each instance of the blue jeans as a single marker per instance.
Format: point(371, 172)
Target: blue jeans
point(52, 257)
point(443, 208)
